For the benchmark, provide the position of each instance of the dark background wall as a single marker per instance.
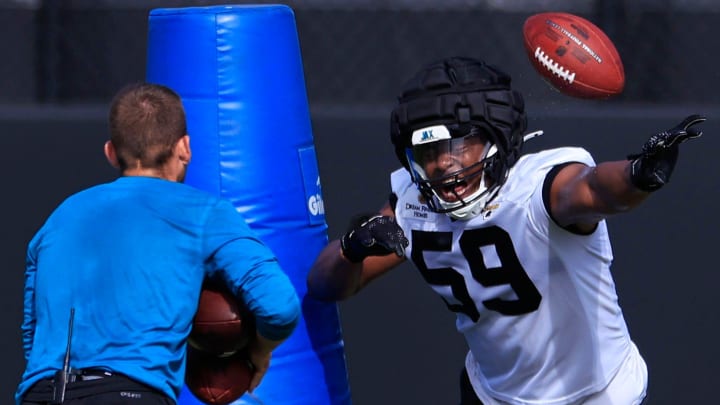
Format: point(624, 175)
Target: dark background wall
point(65, 59)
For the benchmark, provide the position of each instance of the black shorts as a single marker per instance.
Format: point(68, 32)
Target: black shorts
point(115, 389)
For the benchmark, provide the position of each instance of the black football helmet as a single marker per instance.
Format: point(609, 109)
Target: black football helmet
point(460, 97)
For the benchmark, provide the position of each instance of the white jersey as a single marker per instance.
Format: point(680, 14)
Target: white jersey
point(536, 303)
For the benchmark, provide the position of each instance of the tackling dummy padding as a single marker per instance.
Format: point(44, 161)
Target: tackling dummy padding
point(239, 71)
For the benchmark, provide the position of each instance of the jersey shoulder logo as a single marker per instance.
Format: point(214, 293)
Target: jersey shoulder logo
point(488, 210)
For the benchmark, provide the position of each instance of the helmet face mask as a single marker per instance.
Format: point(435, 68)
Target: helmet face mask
point(449, 170)
point(464, 99)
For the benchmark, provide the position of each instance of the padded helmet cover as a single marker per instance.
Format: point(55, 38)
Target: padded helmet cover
point(462, 90)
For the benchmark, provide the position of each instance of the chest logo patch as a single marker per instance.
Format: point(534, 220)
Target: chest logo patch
point(416, 211)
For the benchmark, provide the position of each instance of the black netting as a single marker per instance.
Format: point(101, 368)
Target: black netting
point(359, 52)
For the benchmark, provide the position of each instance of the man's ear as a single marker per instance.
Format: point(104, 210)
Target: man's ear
point(111, 155)
point(182, 149)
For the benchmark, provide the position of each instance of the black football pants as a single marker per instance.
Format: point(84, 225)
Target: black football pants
point(112, 390)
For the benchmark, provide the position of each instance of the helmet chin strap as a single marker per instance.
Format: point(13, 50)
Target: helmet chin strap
point(474, 208)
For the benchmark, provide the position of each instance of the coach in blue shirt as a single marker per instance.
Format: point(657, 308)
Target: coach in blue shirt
point(129, 257)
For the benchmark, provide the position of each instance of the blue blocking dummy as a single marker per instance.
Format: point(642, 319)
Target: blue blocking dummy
point(239, 71)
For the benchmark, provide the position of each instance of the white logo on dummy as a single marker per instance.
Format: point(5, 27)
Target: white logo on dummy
point(316, 206)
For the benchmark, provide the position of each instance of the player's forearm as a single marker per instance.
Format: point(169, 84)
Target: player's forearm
point(332, 277)
point(612, 190)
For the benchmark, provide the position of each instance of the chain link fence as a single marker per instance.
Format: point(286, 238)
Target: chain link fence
point(356, 53)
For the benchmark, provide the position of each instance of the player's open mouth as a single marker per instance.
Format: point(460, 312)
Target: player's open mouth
point(453, 191)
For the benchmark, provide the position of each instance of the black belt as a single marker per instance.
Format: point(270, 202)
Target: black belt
point(87, 374)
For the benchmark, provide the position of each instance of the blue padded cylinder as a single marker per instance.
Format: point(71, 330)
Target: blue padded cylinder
point(239, 71)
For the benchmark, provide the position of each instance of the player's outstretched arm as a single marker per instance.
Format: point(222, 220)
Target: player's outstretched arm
point(582, 195)
point(373, 245)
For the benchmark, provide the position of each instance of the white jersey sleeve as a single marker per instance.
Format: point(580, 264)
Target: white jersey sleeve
point(536, 303)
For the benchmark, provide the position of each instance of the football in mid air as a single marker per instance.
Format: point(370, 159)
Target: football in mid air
point(221, 325)
point(573, 55)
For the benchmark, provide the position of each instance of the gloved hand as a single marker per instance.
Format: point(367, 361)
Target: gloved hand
point(375, 236)
point(652, 168)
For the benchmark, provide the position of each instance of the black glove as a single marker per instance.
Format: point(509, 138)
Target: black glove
point(652, 168)
point(374, 236)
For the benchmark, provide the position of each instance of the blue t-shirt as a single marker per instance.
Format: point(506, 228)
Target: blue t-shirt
point(130, 257)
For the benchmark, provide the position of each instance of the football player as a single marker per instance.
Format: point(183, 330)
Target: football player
point(516, 245)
